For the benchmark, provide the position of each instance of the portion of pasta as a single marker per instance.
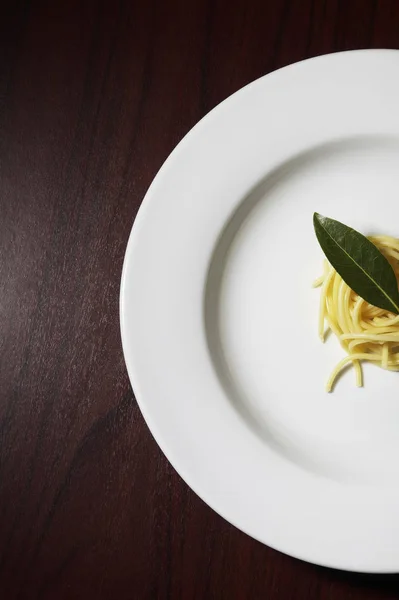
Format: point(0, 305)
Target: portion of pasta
point(364, 331)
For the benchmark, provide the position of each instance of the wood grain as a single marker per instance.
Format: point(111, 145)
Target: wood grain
point(94, 94)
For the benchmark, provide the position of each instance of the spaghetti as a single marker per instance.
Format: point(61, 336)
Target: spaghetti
point(364, 331)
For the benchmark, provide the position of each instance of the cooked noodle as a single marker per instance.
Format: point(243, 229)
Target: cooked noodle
point(364, 331)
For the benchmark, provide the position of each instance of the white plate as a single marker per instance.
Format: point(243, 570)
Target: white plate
point(219, 320)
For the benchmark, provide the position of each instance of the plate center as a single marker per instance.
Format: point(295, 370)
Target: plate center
point(261, 313)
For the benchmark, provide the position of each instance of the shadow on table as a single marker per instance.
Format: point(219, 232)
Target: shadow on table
point(385, 584)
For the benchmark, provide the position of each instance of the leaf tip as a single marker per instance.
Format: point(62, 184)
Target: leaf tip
point(317, 217)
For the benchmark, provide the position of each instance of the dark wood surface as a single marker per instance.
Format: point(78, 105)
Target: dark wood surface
point(93, 97)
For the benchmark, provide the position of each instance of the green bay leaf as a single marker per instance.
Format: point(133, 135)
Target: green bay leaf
point(359, 262)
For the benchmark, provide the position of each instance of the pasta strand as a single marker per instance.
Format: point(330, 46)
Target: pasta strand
point(366, 332)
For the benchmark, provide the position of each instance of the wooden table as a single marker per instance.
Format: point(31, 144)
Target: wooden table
point(93, 97)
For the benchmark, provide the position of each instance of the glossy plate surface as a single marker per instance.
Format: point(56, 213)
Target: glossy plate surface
point(219, 319)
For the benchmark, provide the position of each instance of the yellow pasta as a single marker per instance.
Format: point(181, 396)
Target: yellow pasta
point(364, 331)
